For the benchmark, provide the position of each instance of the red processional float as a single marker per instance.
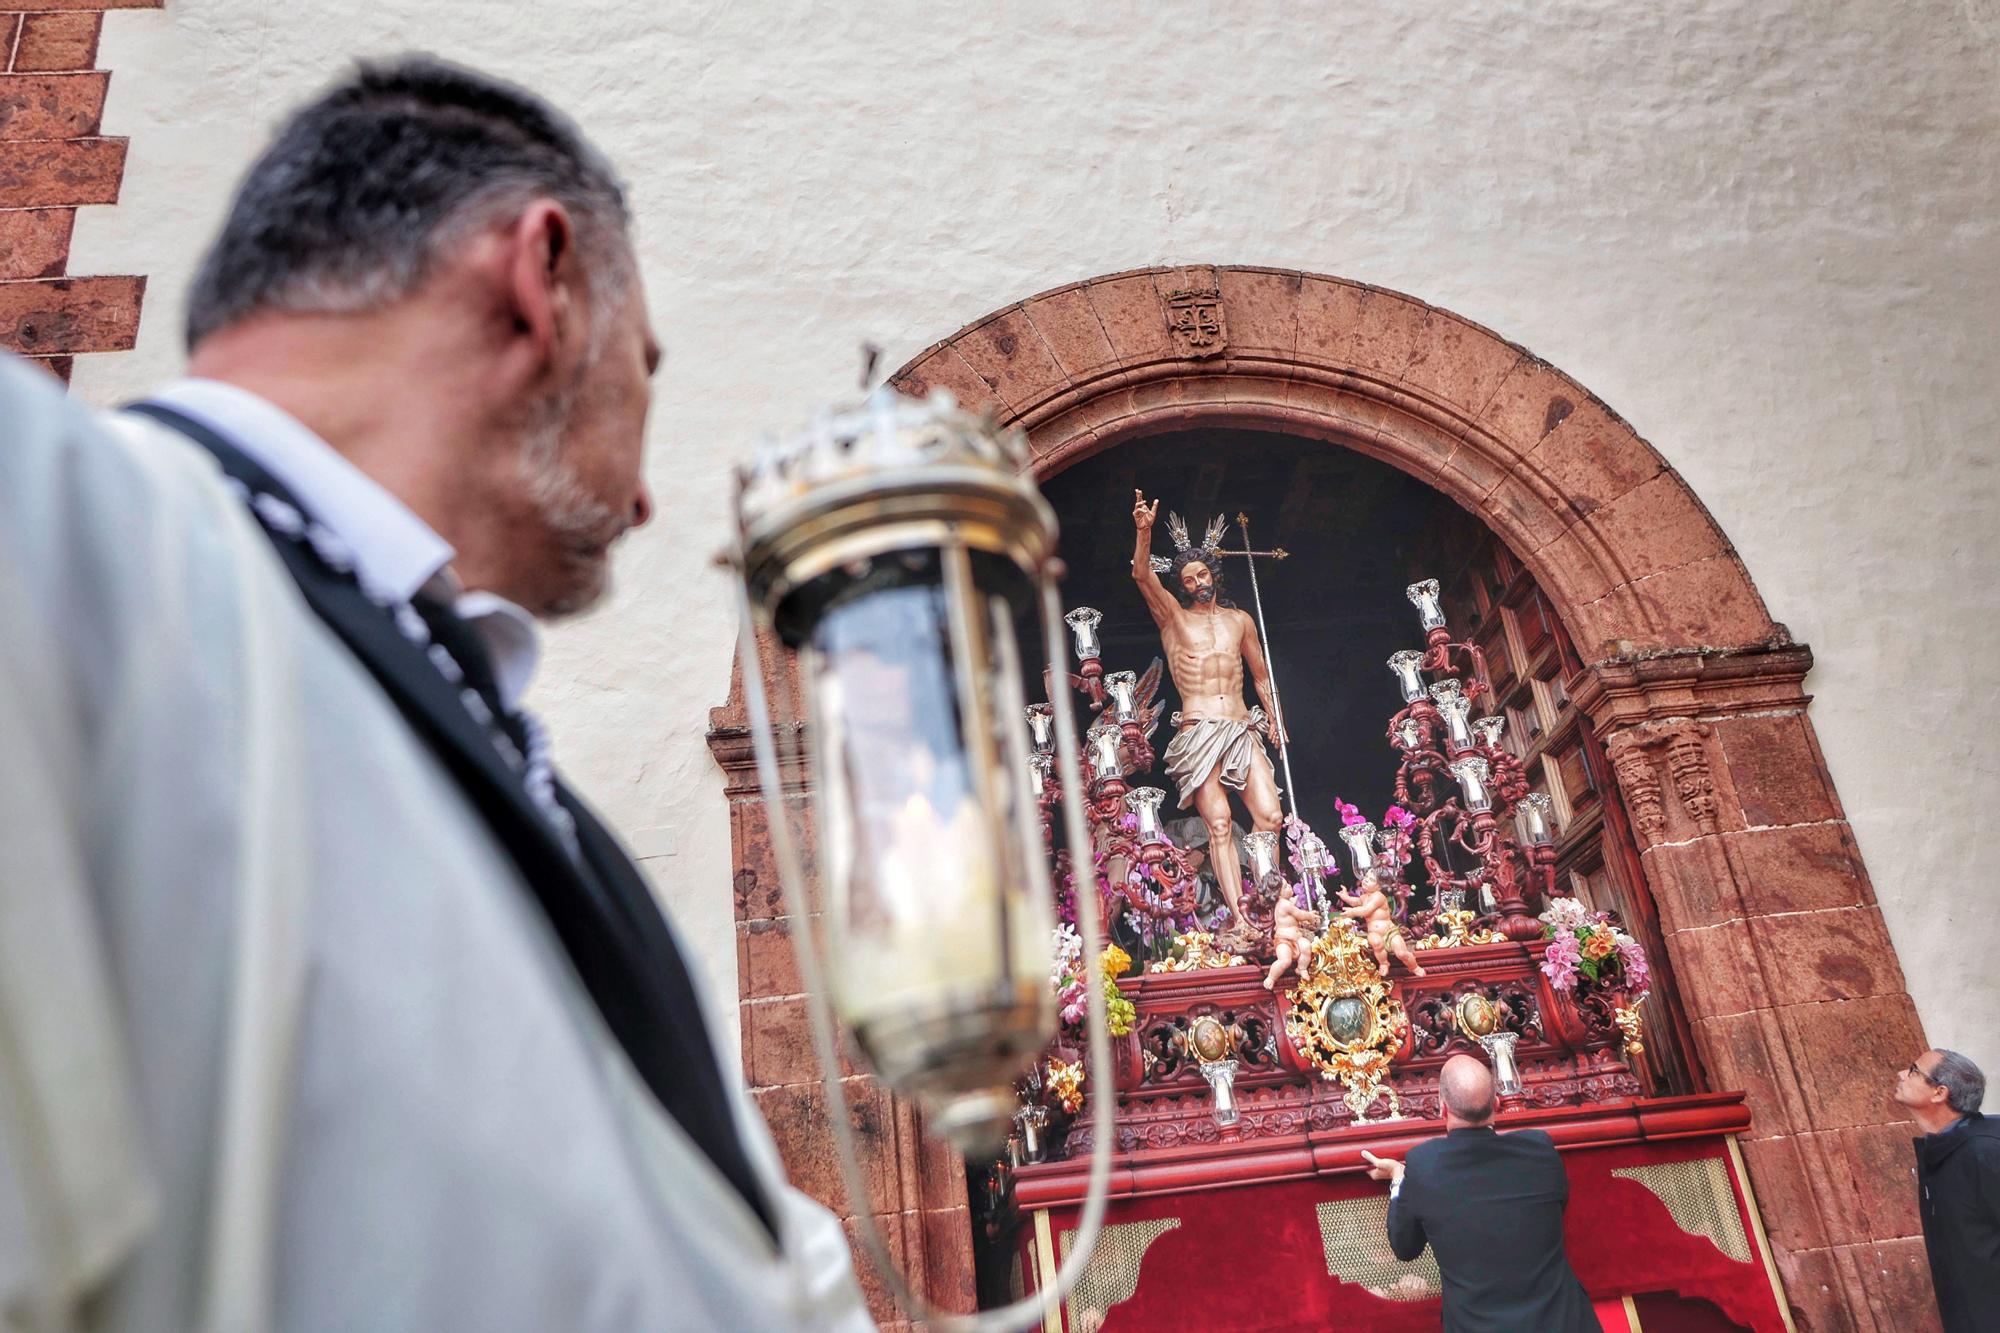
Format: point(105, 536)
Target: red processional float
point(1258, 1052)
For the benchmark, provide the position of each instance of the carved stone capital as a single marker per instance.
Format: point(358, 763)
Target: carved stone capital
point(1621, 692)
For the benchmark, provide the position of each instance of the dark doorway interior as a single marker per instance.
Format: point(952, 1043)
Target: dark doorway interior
point(1358, 532)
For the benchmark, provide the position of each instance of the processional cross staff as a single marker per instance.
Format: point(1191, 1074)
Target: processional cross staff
point(1284, 734)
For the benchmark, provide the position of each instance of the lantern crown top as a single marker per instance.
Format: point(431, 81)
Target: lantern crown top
point(885, 433)
point(887, 474)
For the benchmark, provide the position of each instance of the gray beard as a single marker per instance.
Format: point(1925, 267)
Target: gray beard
point(582, 524)
point(1203, 596)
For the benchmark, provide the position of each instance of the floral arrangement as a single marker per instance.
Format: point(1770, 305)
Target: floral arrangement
point(1068, 977)
point(1590, 945)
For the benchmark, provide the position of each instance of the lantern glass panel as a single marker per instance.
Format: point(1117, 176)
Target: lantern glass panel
point(930, 844)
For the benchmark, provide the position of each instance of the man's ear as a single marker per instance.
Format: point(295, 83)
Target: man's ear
point(544, 283)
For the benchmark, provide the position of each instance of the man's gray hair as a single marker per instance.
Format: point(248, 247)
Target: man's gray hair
point(364, 187)
point(1964, 1086)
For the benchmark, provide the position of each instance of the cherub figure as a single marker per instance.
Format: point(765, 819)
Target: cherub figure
point(1289, 923)
point(1371, 908)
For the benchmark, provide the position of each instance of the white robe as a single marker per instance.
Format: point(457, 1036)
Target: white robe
point(285, 1042)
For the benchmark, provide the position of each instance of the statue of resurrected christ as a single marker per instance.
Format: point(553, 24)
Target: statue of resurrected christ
point(1217, 742)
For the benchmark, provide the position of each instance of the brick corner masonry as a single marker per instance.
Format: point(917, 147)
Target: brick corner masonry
point(55, 159)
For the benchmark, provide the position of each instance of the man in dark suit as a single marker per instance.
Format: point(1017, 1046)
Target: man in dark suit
point(1490, 1206)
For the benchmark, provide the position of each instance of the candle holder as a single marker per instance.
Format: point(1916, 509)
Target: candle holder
point(1083, 623)
point(1499, 1047)
point(1535, 817)
point(1106, 767)
point(1262, 849)
point(1119, 687)
point(1407, 666)
point(1456, 710)
point(1145, 803)
point(1424, 596)
point(1221, 1076)
point(1042, 727)
point(1360, 840)
point(1487, 731)
point(1473, 773)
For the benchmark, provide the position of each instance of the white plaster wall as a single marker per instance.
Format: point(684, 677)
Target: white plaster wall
point(1762, 230)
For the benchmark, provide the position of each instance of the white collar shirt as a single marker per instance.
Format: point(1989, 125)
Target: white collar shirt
point(396, 554)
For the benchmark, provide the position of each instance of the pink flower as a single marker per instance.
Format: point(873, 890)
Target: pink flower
point(1349, 814)
point(1398, 816)
point(1560, 963)
point(1638, 976)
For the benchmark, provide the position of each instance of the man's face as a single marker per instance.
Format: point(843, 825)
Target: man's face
point(581, 468)
point(1914, 1088)
point(1198, 583)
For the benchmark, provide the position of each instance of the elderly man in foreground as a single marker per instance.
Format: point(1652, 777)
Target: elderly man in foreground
point(326, 1002)
point(1490, 1206)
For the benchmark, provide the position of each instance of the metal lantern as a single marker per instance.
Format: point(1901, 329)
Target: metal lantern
point(1120, 685)
point(1456, 709)
point(1083, 624)
point(1409, 676)
point(894, 547)
point(1537, 819)
point(1360, 840)
point(1473, 773)
point(1042, 727)
point(1424, 596)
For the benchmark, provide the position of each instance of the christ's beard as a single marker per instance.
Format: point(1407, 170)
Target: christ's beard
point(1204, 595)
point(582, 525)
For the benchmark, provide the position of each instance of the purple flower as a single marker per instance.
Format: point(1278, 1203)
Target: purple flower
point(1560, 963)
point(1349, 814)
point(1398, 816)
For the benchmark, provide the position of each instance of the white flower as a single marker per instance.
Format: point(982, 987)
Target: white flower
point(1069, 950)
point(1566, 912)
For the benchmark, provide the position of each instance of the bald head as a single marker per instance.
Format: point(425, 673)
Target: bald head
point(1466, 1085)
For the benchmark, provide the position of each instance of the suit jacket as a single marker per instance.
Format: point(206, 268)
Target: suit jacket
point(1958, 1193)
point(1490, 1206)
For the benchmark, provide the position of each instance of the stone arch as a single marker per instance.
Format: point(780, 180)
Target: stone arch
point(1791, 985)
point(1630, 556)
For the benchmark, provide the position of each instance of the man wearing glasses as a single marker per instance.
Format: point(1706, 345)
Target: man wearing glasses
point(1958, 1186)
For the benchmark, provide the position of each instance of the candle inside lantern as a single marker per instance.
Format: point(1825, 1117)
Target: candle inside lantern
point(1120, 685)
point(1472, 773)
point(1145, 803)
point(1408, 734)
point(1408, 678)
point(1262, 848)
point(1537, 819)
point(1489, 729)
point(1456, 710)
point(1083, 625)
point(1360, 840)
point(1424, 596)
point(1104, 761)
point(1038, 773)
point(1042, 727)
